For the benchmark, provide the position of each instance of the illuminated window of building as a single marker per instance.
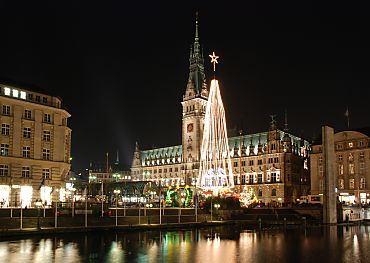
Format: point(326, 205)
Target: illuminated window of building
point(255, 180)
point(251, 162)
point(362, 183)
point(278, 176)
point(341, 169)
point(243, 163)
point(361, 143)
point(320, 160)
point(273, 192)
point(276, 159)
point(351, 168)
point(46, 136)
point(247, 178)
point(5, 129)
point(47, 118)
point(46, 173)
point(351, 183)
point(27, 114)
point(268, 177)
point(273, 146)
point(27, 132)
point(350, 144)
point(259, 162)
point(26, 151)
point(341, 184)
point(4, 170)
point(273, 177)
point(23, 95)
point(6, 110)
point(4, 149)
point(235, 164)
point(45, 154)
point(6, 91)
point(15, 93)
point(26, 172)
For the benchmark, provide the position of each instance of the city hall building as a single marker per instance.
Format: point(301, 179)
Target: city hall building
point(35, 144)
point(274, 163)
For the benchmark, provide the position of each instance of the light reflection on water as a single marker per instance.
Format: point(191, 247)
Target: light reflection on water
point(211, 245)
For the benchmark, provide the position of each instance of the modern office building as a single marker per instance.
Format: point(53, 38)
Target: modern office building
point(274, 163)
point(352, 166)
point(35, 146)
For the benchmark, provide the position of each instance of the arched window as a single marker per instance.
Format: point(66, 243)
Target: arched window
point(273, 192)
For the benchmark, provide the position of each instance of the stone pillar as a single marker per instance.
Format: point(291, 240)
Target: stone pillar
point(330, 197)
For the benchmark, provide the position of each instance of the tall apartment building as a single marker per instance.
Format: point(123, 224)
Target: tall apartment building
point(35, 144)
point(352, 166)
point(274, 163)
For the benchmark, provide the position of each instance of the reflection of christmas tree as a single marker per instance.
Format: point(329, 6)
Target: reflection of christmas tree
point(247, 197)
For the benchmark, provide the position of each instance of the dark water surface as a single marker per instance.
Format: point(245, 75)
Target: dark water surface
point(218, 244)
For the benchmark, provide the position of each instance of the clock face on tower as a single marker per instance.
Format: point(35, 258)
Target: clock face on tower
point(190, 127)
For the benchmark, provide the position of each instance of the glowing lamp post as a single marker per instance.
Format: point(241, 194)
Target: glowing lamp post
point(116, 192)
point(38, 205)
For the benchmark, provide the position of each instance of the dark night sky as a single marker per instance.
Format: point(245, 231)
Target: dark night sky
point(121, 68)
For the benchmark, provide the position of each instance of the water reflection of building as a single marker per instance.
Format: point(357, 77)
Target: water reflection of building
point(35, 146)
point(352, 166)
point(273, 163)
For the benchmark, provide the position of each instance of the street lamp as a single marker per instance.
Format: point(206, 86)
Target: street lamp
point(116, 192)
point(38, 205)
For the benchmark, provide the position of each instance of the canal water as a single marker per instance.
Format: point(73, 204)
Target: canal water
point(211, 245)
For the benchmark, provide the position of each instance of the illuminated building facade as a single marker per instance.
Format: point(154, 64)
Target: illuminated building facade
point(352, 166)
point(35, 146)
point(273, 163)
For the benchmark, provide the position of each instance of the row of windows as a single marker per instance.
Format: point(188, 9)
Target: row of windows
point(27, 114)
point(351, 182)
point(192, 108)
point(340, 146)
point(26, 151)
point(259, 162)
point(165, 170)
point(15, 93)
point(351, 158)
point(26, 171)
point(257, 178)
point(5, 130)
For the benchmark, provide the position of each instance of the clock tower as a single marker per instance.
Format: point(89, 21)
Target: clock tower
point(194, 108)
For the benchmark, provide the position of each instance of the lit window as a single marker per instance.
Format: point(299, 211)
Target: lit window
point(26, 173)
point(15, 93)
point(352, 183)
point(341, 169)
point(7, 91)
point(341, 183)
point(351, 168)
point(273, 177)
point(4, 149)
point(362, 183)
point(4, 170)
point(23, 95)
point(350, 144)
point(5, 129)
point(26, 151)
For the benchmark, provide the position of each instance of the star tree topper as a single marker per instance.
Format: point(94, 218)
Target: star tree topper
point(214, 60)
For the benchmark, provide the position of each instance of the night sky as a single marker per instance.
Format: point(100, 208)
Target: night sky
point(121, 68)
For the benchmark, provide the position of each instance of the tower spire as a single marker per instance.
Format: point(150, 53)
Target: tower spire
point(286, 129)
point(196, 40)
